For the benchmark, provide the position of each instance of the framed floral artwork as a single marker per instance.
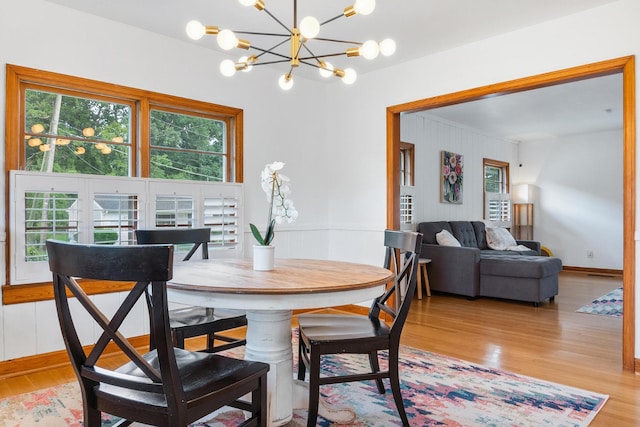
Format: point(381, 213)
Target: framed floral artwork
point(452, 169)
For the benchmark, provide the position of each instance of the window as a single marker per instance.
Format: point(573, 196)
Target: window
point(98, 157)
point(65, 131)
point(65, 124)
point(407, 208)
point(497, 200)
point(496, 176)
point(188, 146)
point(406, 163)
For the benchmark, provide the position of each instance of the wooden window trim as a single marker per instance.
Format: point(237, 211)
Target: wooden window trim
point(407, 146)
point(498, 164)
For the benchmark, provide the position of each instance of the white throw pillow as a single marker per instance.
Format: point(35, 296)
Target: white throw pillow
point(445, 238)
point(499, 238)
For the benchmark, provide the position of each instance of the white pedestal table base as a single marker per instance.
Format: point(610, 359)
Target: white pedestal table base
point(269, 341)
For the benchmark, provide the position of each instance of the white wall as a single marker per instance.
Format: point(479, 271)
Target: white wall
point(431, 135)
point(578, 181)
point(332, 137)
point(578, 202)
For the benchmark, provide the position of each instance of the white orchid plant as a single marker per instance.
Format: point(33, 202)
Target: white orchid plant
point(281, 209)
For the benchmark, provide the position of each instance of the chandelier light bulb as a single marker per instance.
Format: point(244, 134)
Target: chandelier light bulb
point(34, 142)
point(245, 60)
point(364, 7)
point(350, 76)
point(387, 47)
point(326, 70)
point(195, 30)
point(309, 27)
point(227, 68)
point(88, 132)
point(45, 147)
point(369, 49)
point(247, 2)
point(227, 40)
point(285, 82)
point(80, 150)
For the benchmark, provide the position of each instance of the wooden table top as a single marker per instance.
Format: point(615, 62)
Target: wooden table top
point(290, 276)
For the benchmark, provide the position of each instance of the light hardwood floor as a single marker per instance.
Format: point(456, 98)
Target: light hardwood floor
point(551, 342)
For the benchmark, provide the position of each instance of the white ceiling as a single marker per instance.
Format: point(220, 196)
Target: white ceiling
point(420, 28)
point(584, 106)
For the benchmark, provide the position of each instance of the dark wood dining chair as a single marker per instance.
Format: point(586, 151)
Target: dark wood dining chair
point(326, 334)
point(196, 321)
point(167, 386)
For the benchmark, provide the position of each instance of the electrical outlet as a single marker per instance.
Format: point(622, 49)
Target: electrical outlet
point(590, 253)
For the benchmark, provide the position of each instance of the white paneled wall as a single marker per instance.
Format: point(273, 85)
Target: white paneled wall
point(32, 328)
point(19, 330)
point(432, 135)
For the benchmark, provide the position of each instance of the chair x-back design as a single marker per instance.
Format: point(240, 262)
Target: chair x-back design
point(166, 386)
point(194, 321)
point(325, 334)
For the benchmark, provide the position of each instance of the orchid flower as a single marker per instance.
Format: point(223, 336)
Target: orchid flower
point(281, 209)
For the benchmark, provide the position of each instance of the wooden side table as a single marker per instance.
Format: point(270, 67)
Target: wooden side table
point(423, 277)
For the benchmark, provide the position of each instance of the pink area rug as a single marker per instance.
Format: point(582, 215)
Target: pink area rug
point(438, 391)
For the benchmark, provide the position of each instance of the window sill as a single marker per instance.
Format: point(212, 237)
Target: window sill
point(19, 294)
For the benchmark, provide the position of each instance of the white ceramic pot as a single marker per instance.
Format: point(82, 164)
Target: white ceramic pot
point(263, 257)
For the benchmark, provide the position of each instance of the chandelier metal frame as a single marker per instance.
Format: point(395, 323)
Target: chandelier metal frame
point(298, 36)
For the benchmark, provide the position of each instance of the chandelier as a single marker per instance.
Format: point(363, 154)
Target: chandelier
point(299, 38)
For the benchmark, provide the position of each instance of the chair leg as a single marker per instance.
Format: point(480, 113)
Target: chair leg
point(302, 369)
point(375, 367)
point(314, 388)
point(394, 379)
point(178, 339)
point(259, 409)
point(211, 338)
point(92, 417)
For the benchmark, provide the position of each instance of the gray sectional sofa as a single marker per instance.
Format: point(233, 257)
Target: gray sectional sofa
point(474, 269)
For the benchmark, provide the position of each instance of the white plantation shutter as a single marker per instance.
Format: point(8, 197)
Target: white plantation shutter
point(221, 214)
point(498, 208)
point(407, 207)
point(108, 210)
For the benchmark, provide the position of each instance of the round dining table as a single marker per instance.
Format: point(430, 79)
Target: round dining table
point(269, 298)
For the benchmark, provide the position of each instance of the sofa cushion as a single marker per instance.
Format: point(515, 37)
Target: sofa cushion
point(430, 229)
point(499, 238)
point(519, 266)
point(464, 232)
point(481, 236)
point(444, 238)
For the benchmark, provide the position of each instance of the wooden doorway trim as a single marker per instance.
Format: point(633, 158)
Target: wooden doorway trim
point(624, 65)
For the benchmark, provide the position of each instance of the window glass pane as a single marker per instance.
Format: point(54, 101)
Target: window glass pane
point(71, 134)
point(174, 211)
point(49, 216)
point(187, 147)
point(114, 219)
point(492, 179)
